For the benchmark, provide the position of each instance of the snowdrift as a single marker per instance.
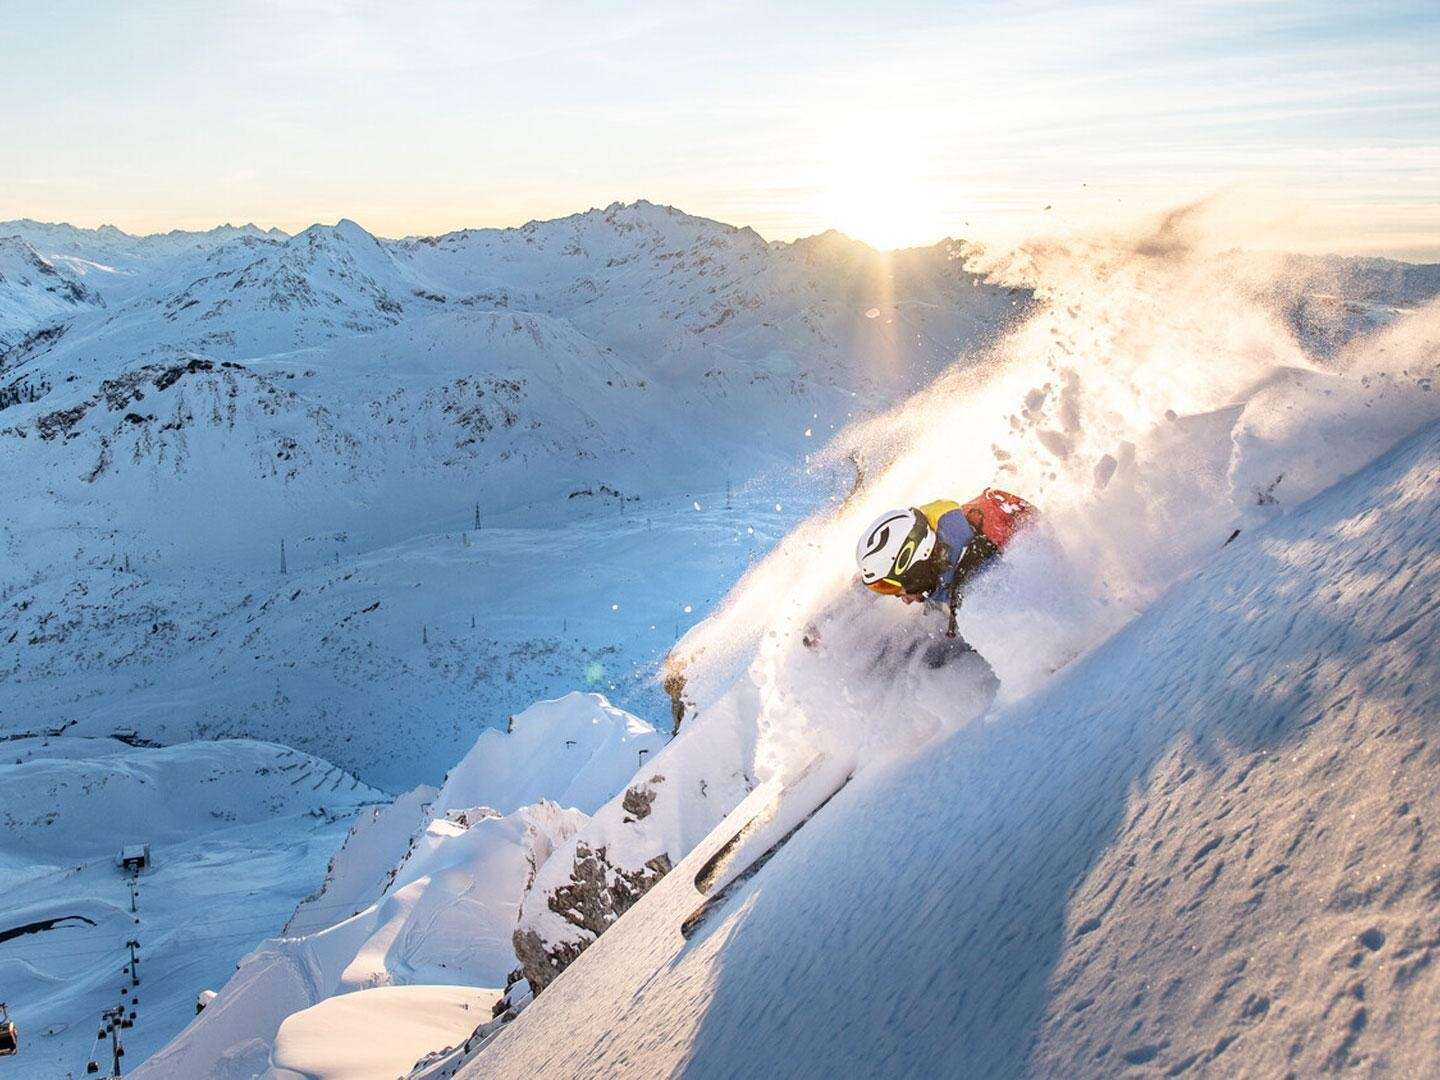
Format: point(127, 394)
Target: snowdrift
point(340, 1038)
point(576, 751)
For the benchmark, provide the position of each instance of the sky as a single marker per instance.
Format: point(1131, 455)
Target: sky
point(898, 123)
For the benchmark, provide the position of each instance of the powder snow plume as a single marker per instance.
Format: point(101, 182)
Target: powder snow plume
point(1156, 398)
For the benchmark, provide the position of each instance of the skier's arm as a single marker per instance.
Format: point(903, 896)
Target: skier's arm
point(976, 554)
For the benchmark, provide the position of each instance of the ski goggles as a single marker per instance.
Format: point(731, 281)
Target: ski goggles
point(886, 587)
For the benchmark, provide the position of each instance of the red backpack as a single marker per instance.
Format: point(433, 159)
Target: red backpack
point(998, 515)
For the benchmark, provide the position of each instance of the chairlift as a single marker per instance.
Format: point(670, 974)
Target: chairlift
point(9, 1034)
point(92, 1066)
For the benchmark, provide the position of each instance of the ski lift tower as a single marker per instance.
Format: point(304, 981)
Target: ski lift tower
point(134, 857)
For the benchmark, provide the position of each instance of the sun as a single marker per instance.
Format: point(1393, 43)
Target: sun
point(879, 189)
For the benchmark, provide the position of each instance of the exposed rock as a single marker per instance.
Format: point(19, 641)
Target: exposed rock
point(597, 894)
point(674, 685)
point(171, 375)
point(23, 391)
point(541, 964)
point(58, 423)
point(638, 799)
point(32, 343)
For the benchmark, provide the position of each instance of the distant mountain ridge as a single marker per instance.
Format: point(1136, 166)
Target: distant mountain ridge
point(694, 306)
point(35, 292)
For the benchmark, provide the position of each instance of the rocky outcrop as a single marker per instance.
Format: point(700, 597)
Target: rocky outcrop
point(597, 894)
point(673, 683)
point(638, 799)
point(540, 961)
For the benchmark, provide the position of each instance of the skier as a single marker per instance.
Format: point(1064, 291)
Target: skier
point(930, 553)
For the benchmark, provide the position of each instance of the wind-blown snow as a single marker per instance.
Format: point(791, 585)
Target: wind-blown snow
point(1154, 403)
point(1201, 849)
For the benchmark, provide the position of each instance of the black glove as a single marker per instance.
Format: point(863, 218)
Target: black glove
point(977, 553)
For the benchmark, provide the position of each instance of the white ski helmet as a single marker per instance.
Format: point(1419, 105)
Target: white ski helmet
point(895, 542)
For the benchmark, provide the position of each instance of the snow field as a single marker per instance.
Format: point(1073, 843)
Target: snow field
point(375, 1034)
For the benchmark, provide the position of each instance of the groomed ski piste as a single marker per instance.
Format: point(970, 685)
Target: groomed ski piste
point(1168, 816)
point(238, 832)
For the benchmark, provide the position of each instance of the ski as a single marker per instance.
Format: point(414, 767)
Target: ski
point(729, 868)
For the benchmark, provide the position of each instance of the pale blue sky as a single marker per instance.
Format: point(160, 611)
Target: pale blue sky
point(898, 123)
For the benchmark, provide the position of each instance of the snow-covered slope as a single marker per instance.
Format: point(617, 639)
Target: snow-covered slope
point(238, 832)
point(1172, 427)
point(437, 909)
point(389, 660)
point(1200, 850)
point(35, 297)
point(1155, 406)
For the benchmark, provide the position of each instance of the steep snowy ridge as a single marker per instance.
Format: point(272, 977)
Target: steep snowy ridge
point(323, 283)
point(442, 912)
point(1199, 850)
point(1147, 447)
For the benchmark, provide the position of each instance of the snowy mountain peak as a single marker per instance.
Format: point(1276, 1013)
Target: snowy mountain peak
point(35, 294)
point(345, 230)
point(352, 231)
